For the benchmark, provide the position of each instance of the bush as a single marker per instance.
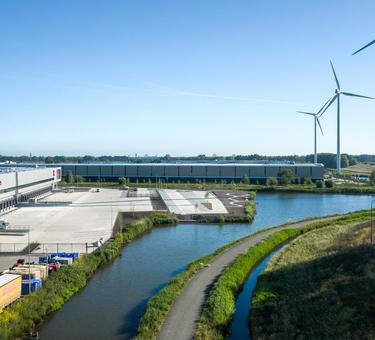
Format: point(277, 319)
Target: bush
point(329, 183)
point(306, 180)
point(319, 184)
point(25, 313)
point(271, 181)
point(245, 180)
point(122, 181)
point(285, 177)
point(372, 177)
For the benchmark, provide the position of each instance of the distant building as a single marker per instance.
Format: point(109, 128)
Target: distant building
point(19, 184)
point(209, 172)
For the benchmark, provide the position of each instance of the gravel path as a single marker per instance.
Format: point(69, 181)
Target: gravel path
point(185, 313)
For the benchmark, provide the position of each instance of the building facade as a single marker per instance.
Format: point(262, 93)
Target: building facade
point(192, 172)
point(19, 184)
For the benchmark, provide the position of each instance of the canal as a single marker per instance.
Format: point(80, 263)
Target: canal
point(115, 298)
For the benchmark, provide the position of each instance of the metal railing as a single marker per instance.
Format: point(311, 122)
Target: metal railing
point(43, 248)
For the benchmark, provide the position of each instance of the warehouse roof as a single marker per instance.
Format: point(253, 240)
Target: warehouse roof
point(189, 164)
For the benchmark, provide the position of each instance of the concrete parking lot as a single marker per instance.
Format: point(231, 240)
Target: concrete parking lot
point(89, 218)
point(186, 202)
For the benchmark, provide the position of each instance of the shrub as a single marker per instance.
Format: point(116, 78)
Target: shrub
point(319, 184)
point(245, 180)
point(372, 177)
point(271, 181)
point(25, 313)
point(306, 180)
point(285, 176)
point(329, 183)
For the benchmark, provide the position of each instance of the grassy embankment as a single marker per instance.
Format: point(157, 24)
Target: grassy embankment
point(23, 315)
point(321, 287)
point(291, 188)
point(220, 305)
point(159, 306)
point(360, 169)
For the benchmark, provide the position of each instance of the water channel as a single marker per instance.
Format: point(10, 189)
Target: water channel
point(115, 298)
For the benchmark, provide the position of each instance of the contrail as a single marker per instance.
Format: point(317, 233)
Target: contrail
point(159, 90)
point(206, 95)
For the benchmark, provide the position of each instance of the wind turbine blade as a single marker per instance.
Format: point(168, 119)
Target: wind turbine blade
point(321, 130)
point(355, 95)
point(328, 105)
point(307, 113)
point(361, 49)
point(334, 73)
point(322, 108)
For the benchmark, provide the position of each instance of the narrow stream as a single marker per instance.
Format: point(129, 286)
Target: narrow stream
point(239, 329)
point(115, 298)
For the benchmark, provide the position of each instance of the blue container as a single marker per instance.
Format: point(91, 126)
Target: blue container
point(74, 256)
point(34, 284)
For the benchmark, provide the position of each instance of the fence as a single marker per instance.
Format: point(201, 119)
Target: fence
point(43, 248)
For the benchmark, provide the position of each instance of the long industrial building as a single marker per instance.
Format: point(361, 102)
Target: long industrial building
point(19, 184)
point(170, 172)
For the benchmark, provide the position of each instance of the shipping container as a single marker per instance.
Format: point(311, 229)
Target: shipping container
point(10, 289)
point(42, 269)
point(26, 273)
point(30, 286)
point(74, 256)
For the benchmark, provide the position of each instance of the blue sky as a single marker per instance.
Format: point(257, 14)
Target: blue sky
point(182, 77)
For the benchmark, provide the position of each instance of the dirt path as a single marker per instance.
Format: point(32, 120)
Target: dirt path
point(185, 313)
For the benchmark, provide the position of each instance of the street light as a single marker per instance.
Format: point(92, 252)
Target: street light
point(372, 220)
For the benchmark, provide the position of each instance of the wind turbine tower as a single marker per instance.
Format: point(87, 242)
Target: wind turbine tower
point(337, 95)
point(316, 123)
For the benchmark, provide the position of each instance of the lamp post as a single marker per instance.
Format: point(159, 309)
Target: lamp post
point(372, 221)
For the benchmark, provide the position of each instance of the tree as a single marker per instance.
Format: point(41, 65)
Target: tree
point(271, 181)
point(319, 184)
point(122, 181)
point(78, 179)
point(329, 183)
point(285, 177)
point(69, 178)
point(245, 180)
point(372, 177)
point(306, 180)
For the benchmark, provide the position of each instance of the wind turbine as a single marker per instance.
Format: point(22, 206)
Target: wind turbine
point(372, 42)
point(316, 122)
point(337, 95)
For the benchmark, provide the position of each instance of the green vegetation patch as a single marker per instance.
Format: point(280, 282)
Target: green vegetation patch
point(160, 305)
point(321, 287)
point(220, 305)
point(23, 315)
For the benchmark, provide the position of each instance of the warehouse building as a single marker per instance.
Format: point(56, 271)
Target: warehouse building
point(209, 172)
point(19, 184)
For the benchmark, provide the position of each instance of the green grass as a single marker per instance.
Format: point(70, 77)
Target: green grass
point(321, 287)
point(292, 188)
point(23, 315)
point(159, 306)
point(220, 305)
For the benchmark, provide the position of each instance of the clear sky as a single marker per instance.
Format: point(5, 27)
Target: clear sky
point(183, 77)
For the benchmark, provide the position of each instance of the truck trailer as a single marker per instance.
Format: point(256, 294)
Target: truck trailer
point(10, 289)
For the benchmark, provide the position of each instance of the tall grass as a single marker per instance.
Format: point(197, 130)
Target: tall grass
point(220, 305)
point(23, 315)
point(321, 286)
